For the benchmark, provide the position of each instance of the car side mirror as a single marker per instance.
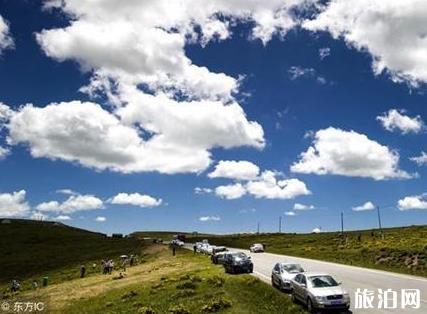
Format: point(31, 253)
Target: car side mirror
point(304, 285)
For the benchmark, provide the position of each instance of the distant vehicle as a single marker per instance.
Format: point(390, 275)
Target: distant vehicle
point(238, 262)
point(283, 273)
point(177, 242)
point(319, 291)
point(218, 258)
point(256, 248)
point(205, 241)
point(219, 249)
point(210, 249)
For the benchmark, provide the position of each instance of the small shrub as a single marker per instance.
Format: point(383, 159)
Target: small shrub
point(146, 310)
point(216, 281)
point(187, 285)
point(129, 295)
point(184, 294)
point(178, 309)
point(217, 305)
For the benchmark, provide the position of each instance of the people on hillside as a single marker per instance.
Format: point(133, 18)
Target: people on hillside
point(15, 286)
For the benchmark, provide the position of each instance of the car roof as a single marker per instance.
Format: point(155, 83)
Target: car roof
point(289, 263)
point(314, 274)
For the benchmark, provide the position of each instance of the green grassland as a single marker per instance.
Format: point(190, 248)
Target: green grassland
point(158, 283)
point(31, 250)
point(401, 250)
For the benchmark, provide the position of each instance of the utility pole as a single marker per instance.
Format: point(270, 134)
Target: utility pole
point(257, 230)
point(280, 224)
point(342, 223)
point(379, 222)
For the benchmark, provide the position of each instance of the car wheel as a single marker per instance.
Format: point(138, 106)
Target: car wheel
point(310, 307)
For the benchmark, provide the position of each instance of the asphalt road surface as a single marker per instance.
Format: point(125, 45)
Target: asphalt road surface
point(351, 277)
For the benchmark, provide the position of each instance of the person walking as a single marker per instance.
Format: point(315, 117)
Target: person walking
point(82, 271)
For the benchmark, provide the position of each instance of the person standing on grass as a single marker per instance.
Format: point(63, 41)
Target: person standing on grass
point(82, 271)
point(194, 249)
point(15, 286)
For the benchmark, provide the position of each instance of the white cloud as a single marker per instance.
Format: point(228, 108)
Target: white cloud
point(13, 204)
point(5, 113)
point(324, 52)
point(317, 230)
point(366, 206)
point(135, 199)
point(102, 141)
point(396, 120)
point(420, 160)
point(100, 219)
point(209, 218)
point(63, 217)
point(348, 153)
point(73, 204)
point(231, 191)
point(6, 41)
point(290, 213)
point(199, 190)
point(237, 170)
point(392, 32)
point(268, 186)
point(247, 211)
point(299, 206)
point(66, 192)
point(412, 202)
point(140, 43)
point(296, 72)
point(4, 151)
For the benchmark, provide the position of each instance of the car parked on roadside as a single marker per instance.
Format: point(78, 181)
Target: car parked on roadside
point(238, 262)
point(283, 273)
point(319, 291)
point(177, 242)
point(256, 248)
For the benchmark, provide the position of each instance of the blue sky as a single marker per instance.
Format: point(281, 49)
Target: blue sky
point(130, 115)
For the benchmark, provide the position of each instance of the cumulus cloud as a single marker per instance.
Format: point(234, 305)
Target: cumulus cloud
point(231, 191)
point(396, 120)
point(237, 170)
point(66, 192)
point(72, 204)
point(366, 206)
point(135, 199)
point(299, 206)
point(268, 186)
point(14, 204)
point(6, 41)
point(392, 32)
point(209, 218)
point(100, 219)
point(136, 55)
point(290, 213)
point(348, 153)
point(317, 230)
point(412, 202)
point(420, 160)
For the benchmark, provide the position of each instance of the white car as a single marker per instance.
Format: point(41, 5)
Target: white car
point(319, 291)
point(256, 248)
point(283, 273)
point(178, 242)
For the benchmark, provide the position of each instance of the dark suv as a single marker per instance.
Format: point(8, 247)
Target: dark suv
point(238, 263)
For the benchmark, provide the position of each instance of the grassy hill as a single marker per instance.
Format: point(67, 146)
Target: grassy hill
point(33, 249)
point(400, 250)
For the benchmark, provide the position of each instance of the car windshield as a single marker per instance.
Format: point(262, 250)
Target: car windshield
point(293, 268)
point(239, 255)
point(323, 281)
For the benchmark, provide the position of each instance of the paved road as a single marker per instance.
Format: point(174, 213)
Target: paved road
point(352, 278)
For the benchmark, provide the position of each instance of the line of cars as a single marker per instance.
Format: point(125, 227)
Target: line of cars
point(316, 290)
point(233, 262)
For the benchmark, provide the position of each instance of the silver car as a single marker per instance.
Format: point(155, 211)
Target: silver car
point(283, 273)
point(319, 291)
